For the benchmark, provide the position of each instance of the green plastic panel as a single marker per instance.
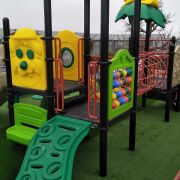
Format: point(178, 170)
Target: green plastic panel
point(147, 13)
point(51, 153)
point(121, 61)
point(28, 119)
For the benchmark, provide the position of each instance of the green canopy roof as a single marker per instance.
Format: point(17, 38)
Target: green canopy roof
point(147, 13)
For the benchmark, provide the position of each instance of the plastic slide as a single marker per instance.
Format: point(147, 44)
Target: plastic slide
point(51, 152)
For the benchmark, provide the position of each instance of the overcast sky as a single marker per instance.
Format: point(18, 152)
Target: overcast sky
point(68, 14)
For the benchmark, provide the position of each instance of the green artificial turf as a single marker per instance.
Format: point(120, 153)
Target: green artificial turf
point(157, 155)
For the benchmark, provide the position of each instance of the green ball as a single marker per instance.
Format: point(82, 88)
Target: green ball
point(24, 65)
point(30, 54)
point(19, 53)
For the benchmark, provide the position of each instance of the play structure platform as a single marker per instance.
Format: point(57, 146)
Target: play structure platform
point(51, 153)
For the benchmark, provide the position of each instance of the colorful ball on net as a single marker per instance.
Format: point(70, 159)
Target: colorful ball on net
point(115, 89)
point(114, 96)
point(123, 92)
point(119, 94)
point(124, 72)
point(126, 89)
point(129, 97)
point(117, 103)
point(121, 73)
point(129, 80)
point(122, 100)
point(117, 74)
point(121, 82)
point(114, 105)
point(117, 83)
point(114, 75)
point(129, 71)
point(129, 89)
point(124, 82)
point(126, 98)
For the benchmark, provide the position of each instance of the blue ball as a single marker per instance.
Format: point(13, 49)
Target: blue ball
point(122, 100)
point(129, 71)
point(116, 84)
point(118, 94)
point(114, 75)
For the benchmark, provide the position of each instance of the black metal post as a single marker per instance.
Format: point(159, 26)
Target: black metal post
point(49, 57)
point(178, 99)
point(6, 31)
point(130, 44)
point(148, 35)
point(86, 42)
point(169, 79)
point(104, 85)
point(135, 52)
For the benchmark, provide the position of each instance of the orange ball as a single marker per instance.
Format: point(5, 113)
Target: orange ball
point(126, 98)
point(114, 105)
point(129, 80)
point(129, 89)
point(123, 92)
point(117, 103)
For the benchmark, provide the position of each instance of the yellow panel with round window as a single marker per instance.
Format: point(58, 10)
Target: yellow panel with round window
point(72, 55)
point(27, 54)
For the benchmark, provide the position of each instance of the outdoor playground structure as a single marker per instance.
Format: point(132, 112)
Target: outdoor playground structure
point(62, 70)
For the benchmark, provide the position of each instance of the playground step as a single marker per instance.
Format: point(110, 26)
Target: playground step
point(22, 134)
point(51, 153)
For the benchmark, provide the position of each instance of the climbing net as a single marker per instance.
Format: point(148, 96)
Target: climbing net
point(152, 71)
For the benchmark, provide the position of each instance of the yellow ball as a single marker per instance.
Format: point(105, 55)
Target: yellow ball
point(124, 72)
point(114, 96)
point(117, 103)
point(116, 89)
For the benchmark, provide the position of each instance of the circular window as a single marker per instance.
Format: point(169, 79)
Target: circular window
point(67, 57)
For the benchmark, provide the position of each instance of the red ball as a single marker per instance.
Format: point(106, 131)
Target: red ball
point(129, 80)
point(121, 82)
point(129, 89)
point(123, 92)
point(126, 98)
point(114, 105)
point(117, 74)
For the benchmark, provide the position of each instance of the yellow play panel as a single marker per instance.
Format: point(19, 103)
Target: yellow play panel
point(27, 54)
point(71, 52)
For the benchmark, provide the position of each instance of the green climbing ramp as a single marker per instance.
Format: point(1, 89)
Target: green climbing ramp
point(51, 152)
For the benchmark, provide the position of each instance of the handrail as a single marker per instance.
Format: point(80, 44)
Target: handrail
point(81, 59)
point(58, 84)
point(93, 65)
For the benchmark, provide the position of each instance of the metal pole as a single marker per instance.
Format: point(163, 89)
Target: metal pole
point(148, 35)
point(86, 42)
point(135, 52)
point(104, 85)
point(178, 99)
point(49, 57)
point(169, 79)
point(6, 31)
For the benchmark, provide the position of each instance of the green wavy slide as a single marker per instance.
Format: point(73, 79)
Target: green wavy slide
point(51, 152)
